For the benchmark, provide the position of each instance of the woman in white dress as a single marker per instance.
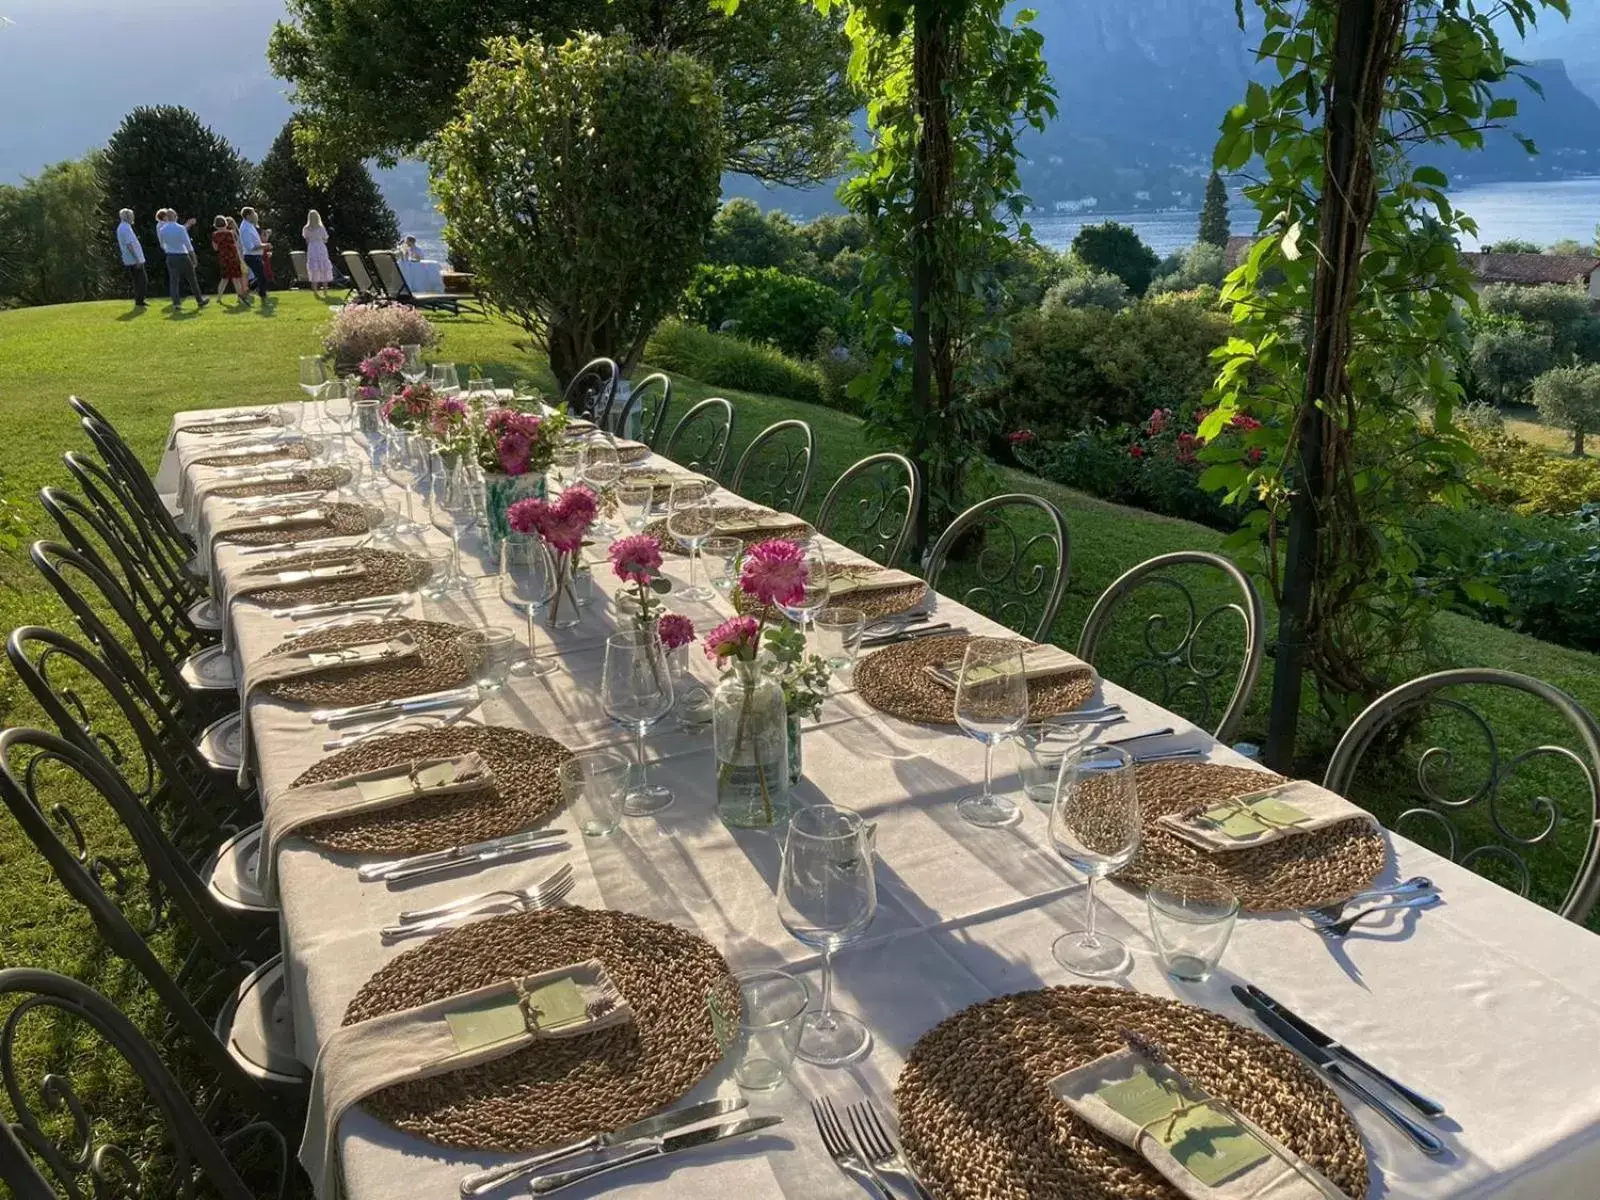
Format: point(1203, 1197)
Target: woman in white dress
point(318, 265)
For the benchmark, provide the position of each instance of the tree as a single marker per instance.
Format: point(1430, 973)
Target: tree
point(1201, 265)
point(1087, 289)
point(1117, 250)
point(53, 235)
point(164, 157)
point(1507, 355)
point(1514, 246)
point(357, 216)
point(1214, 214)
point(377, 78)
point(743, 236)
point(1564, 312)
point(581, 179)
point(1570, 397)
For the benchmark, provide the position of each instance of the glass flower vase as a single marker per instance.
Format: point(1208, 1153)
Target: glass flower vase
point(500, 492)
point(692, 702)
point(796, 758)
point(750, 731)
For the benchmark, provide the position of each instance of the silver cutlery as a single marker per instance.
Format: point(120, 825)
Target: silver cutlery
point(1422, 1104)
point(515, 850)
point(370, 617)
point(479, 1182)
point(1087, 716)
point(249, 503)
point(1329, 914)
point(399, 704)
point(909, 635)
point(1338, 930)
point(548, 898)
point(543, 1185)
point(845, 1156)
point(1129, 739)
point(342, 540)
point(880, 1150)
point(387, 600)
point(1155, 756)
point(1328, 1065)
point(898, 624)
point(369, 872)
point(422, 720)
point(472, 903)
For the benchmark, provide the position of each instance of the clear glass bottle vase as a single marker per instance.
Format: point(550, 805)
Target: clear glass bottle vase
point(750, 731)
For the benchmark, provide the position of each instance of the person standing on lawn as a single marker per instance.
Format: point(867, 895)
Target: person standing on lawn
point(254, 250)
point(132, 256)
point(175, 243)
point(226, 244)
point(319, 267)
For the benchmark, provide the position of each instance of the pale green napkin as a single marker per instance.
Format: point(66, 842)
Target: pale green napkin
point(1287, 808)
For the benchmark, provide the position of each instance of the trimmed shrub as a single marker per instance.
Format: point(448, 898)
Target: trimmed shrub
point(359, 330)
point(721, 360)
point(1530, 479)
point(763, 304)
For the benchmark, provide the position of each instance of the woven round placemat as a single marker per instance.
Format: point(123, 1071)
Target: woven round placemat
point(562, 1088)
point(875, 605)
point(798, 532)
point(286, 450)
point(893, 681)
point(1304, 870)
point(339, 520)
point(435, 668)
point(978, 1120)
point(633, 454)
point(237, 425)
point(660, 492)
point(526, 790)
point(322, 478)
point(388, 572)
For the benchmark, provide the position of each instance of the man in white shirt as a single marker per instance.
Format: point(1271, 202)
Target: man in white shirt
point(175, 243)
point(132, 256)
point(253, 250)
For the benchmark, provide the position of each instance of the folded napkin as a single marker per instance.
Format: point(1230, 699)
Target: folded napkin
point(309, 662)
point(1283, 809)
point(305, 518)
point(444, 1036)
point(219, 422)
point(273, 576)
point(1038, 662)
point(190, 492)
point(1199, 1145)
point(759, 523)
point(287, 812)
point(202, 492)
point(883, 580)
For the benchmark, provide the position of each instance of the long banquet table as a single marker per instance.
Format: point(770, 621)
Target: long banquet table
point(1487, 1002)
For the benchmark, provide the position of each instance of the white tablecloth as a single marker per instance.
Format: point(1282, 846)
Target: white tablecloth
point(424, 276)
point(1487, 1002)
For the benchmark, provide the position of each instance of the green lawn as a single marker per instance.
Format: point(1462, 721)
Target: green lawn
point(139, 369)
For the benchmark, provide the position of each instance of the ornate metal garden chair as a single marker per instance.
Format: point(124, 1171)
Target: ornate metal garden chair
point(776, 468)
point(699, 441)
point(1014, 556)
point(871, 507)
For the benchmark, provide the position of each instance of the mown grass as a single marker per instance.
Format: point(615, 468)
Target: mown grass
point(141, 369)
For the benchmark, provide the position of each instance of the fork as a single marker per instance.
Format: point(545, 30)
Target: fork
point(469, 903)
point(1337, 931)
point(1332, 914)
point(844, 1155)
point(881, 1152)
point(524, 900)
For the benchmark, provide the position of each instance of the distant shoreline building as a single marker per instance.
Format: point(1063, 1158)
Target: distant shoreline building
point(1536, 270)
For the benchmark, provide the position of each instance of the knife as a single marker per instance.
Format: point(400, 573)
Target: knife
point(1168, 731)
point(526, 837)
point(513, 850)
point(657, 1126)
point(891, 639)
point(335, 539)
point(1425, 1106)
point(543, 1185)
point(1329, 1065)
point(325, 715)
point(333, 606)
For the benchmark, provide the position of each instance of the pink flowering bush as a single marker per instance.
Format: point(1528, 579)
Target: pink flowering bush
point(774, 573)
point(358, 331)
point(675, 630)
point(735, 638)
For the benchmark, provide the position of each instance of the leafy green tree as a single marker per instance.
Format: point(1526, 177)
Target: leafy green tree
point(744, 236)
point(377, 78)
point(1514, 246)
point(1087, 289)
point(53, 236)
point(357, 216)
point(1570, 246)
point(581, 179)
point(1201, 265)
point(1214, 213)
point(165, 157)
point(1570, 398)
point(1116, 249)
point(1565, 313)
point(1507, 355)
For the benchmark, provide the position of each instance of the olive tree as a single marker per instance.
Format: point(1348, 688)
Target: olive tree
point(581, 180)
point(1570, 397)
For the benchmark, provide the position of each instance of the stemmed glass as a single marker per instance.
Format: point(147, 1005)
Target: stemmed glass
point(413, 369)
point(367, 447)
point(528, 581)
point(827, 895)
point(445, 379)
point(817, 586)
point(689, 521)
point(991, 705)
point(313, 375)
point(453, 511)
point(1094, 826)
point(340, 407)
point(400, 468)
point(637, 692)
point(600, 468)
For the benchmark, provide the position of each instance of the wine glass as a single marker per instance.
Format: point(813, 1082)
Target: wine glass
point(564, 462)
point(722, 556)
point(636, 691)
point(400, 469)
point(453, 511)
point(338, 402)
point(528, 581)
point(600, 468)
point(1094, 826)
point(689, 520)
point(313, 375)
point(814, 596)
point(827, 895)
point(445, 379)
point(366, 448)
point(991, 705)
point(413, 369)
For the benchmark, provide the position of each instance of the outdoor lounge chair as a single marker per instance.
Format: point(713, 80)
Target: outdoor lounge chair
point(395, 284)
point(365, 288)
point(302, 277)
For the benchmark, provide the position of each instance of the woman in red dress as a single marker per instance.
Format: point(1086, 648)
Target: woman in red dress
point(226, 243)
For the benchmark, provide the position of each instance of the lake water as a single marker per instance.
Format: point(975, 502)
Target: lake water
point(1541, 211)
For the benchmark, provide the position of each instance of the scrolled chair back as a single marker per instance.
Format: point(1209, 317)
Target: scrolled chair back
point(1014, 555)
point(871, 508)
point(592, 391)
point(1459, 761)
point(652, 398)
point(776, 468)
point(699, 441)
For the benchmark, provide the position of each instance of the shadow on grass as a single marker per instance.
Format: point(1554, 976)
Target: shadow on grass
point(134, 313)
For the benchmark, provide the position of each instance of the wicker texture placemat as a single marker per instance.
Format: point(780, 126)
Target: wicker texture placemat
point(526, 789)
point(436, 667)
point(339, 520)
point(660, 492)
point(633, 454)
point(388, 572)
point(1306, 870)
point(875, 605)
point(978, 1120)
point(561, 1089)
point(321, 478)
point(893, 681)
point(799, 531)
point(236, 425)
point(286, 450)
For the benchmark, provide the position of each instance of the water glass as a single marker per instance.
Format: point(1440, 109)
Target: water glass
point(1192, 918)
point(489, 653)
point(839, 632)
point(690, 522)
point(1041, 749)
point(292, 415)
point(815, 591)
point(991, 705)
point(759, 1042)
point(636, 692)
point(478, 386)
point(444, 379)
point(722, 557)
point(633, 504)
point(1094, 826)
point(413, 369)
point(313, 375)
point(593, 785)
